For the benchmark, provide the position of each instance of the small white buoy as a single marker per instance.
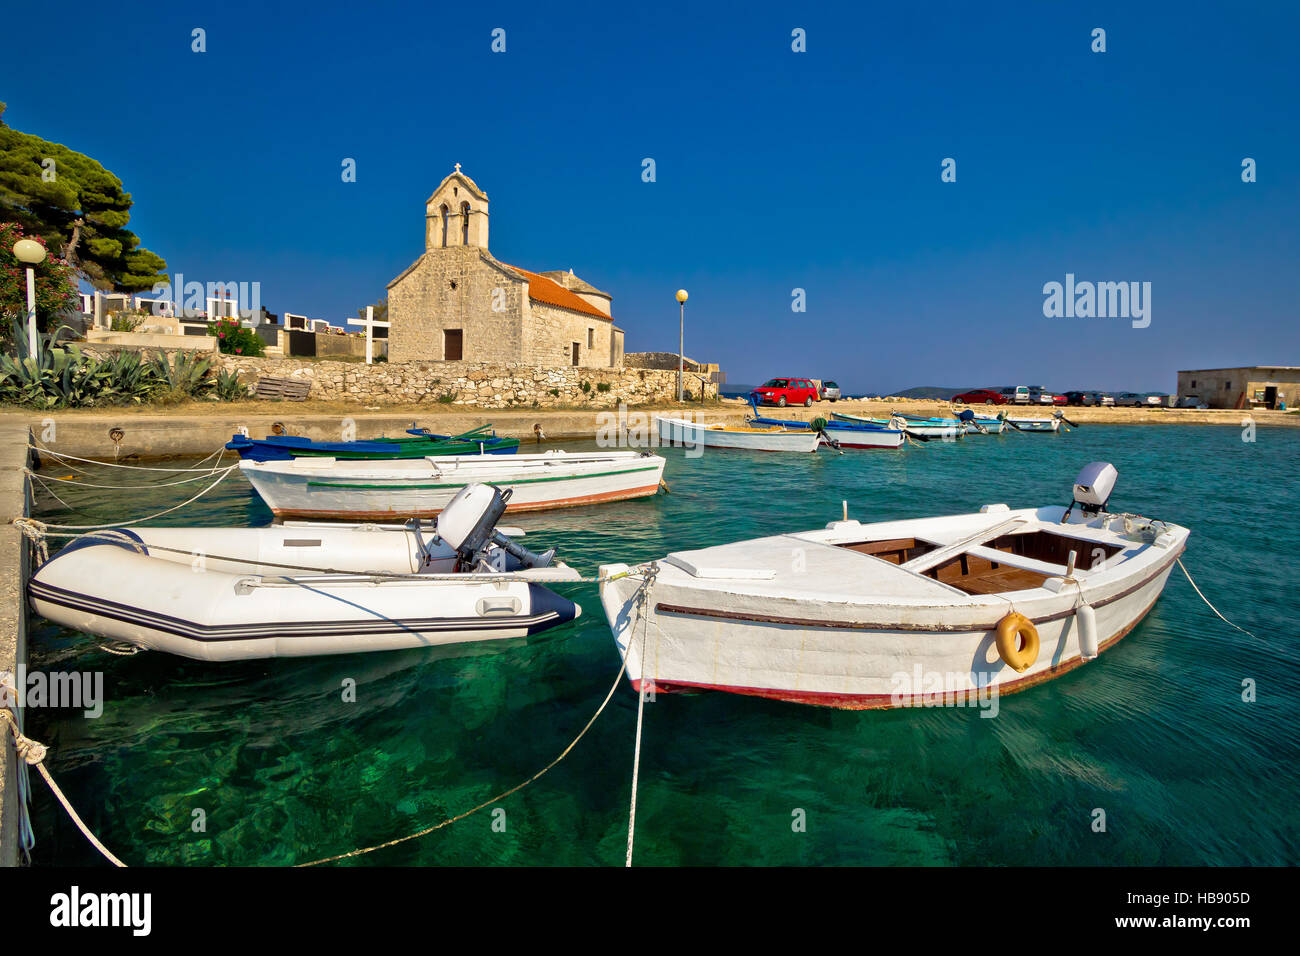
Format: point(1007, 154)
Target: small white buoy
point(1086, 618)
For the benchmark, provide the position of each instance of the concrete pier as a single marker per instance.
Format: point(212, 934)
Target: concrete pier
point(15, 499)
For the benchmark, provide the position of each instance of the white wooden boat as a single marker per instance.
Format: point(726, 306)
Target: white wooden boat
point(420, 488)
point(304, 589)
point(1034, 424)
point(881, 615)
point(841, 434)
point(915, 426)
point(679, 431)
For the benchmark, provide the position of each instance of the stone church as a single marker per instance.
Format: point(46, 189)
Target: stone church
point(458, 303)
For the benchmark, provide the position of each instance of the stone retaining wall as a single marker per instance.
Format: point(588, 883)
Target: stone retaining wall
point(474, 384)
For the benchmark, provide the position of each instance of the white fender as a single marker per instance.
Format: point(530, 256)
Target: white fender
point(1086, 618)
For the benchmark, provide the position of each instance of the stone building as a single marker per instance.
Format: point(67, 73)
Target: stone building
point(1256, 386)
point(459, 303)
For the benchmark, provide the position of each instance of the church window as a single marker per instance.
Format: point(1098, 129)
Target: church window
point(443, 210)
point(464, 224)
point(591, 338)
point(576, 346)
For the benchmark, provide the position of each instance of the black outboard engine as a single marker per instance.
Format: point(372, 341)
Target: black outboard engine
point(468, 524)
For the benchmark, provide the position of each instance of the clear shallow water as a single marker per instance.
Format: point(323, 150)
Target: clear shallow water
point(1154, 732)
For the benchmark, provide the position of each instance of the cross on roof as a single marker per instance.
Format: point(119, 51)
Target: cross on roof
point(458, 167)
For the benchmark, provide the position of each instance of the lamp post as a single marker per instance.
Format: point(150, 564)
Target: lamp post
point(31, 253)
point(681, 341)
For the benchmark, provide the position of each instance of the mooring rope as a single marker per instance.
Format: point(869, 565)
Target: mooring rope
point(222, 476)
point(80, 483)
point(60, 456)
point(646, 583)
point(1207, 600)
point(640, 708)
point(33, 754)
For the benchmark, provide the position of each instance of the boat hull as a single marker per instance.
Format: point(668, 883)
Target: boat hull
point(128, 594)
point(299, 489)
point(696, 435)
point(1035, 424)
point(873, 654)
point(846, 435)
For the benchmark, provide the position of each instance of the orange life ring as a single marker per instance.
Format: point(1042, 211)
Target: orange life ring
point(1012, 631)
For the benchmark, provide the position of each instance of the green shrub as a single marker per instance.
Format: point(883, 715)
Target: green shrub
point(125, 322)
point(602, 386)
point(234, 339)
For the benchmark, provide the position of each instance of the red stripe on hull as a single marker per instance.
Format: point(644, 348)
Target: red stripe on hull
point(885, 701)
point(576, 502)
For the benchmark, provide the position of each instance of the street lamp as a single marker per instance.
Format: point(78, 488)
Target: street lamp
point(681, 342)
point(31, 253)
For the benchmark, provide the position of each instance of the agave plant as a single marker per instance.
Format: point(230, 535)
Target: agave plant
point(47, 376)
point(185, 374)
point(228, 386)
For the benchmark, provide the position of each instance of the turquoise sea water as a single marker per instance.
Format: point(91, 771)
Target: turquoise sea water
point(1155, 732)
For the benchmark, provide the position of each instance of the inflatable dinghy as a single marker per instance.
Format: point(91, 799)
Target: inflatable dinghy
point(304, 589)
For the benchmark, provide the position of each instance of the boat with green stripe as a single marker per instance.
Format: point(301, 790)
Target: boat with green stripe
point(386, 490)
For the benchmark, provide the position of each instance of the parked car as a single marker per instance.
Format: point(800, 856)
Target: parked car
point(1040, 396)
point(1191, 401)
point(985, 396)
point(830, 391)
point(1128, 399)
point(1157, 399)
point(1059, 400)
point(1081, 398)
point(785, 391)
point(1103, 399)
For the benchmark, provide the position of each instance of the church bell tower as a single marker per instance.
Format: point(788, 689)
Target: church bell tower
point(456, 214)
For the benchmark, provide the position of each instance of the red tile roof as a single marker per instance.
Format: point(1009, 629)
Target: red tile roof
point(542, 289)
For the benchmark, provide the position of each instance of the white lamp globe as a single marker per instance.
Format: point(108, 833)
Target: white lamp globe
point(29, 251)
point(681, 295)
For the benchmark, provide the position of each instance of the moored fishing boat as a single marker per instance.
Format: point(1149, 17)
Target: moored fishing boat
point(679, 431)
point(306, 589)
point(915, 426)
point(879, 615)
point(1033, 424)
point(844, 434)
point(420, 488)
point(418, 443)
point(977, 425)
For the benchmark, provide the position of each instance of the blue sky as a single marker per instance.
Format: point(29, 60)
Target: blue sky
point(775, 170)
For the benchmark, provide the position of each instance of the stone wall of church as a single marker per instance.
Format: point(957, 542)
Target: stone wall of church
point(551, 332)
point(457, 288)
point(472, 384)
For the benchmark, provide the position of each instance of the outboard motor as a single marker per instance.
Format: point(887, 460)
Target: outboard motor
point(967, 418)
point(468, 524)
point(1092, 488)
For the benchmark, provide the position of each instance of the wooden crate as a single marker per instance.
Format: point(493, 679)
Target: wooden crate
point(287, 389)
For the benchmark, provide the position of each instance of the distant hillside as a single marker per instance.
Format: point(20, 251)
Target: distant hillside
point(941, 392)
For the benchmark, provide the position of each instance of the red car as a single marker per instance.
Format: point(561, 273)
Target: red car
point(785, 391)
point(981, 396)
